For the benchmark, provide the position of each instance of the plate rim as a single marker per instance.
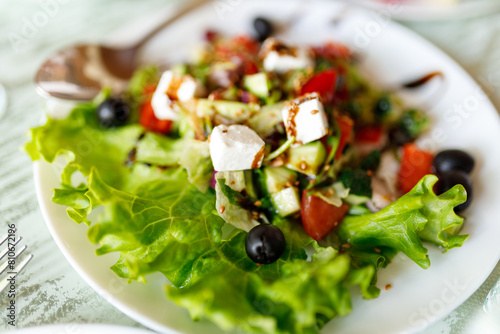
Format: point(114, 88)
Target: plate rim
point(423, 13)
point(89, 328)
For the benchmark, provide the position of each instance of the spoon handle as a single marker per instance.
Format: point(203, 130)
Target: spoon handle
point(191, 5)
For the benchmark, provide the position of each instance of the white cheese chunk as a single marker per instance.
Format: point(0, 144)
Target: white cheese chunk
point(305, 119)
point(162, 105)
point(59, 108)
point(173, 88)
point(282, 63)
point(280, 58)
point(235, 147)
point(190, 88)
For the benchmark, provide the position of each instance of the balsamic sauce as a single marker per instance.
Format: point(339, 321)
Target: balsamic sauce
point(423, 80)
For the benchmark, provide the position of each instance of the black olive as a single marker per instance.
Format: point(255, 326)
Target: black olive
point(263, 28)
point(453, 159)
point(382, 107)
point(113, 112)
point(265, 243)
point(399, 137)
point(449, 179)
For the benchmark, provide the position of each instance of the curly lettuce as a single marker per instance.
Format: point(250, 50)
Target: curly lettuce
point(302, 300)
point(154, 214)
point(420, 215)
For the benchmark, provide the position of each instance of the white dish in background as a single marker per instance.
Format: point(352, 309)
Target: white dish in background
point(80, 329)
point(394, 55)
point(430, 10)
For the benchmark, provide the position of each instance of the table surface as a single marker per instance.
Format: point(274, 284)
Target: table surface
point(49, 291)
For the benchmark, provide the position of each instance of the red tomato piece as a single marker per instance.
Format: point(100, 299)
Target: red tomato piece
point(149, 121)
point(247, 43)
point(370, 134)
point(250, 68)
point(211, 35)
point(415, 164)
point(333, 50)
point(324, 83)
point(318, 217)
point(239, 49)
point(346, 125)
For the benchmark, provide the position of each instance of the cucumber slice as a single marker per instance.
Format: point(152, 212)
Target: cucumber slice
point(356, 199)
point(277, 178)
point(307, 159)
point(235, 111)
point(265, 121)
point(249, 185)
point(286, 201)
point(257, 84)
point(234, 179)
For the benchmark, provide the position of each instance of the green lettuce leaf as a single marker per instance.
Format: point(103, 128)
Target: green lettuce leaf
point(169, 226)
point(308, 294)
point(85, 144)
point(160, 150)
point(166, 226)
point(198, 164)
point(147, 76)
point(418, 215)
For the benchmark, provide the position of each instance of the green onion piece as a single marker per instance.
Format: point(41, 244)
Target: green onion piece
point(334, 144)
point(280, 150)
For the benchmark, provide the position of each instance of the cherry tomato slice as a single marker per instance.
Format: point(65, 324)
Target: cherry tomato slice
point(149, 121)
point(324, 83)
point(370, 134)
point(250, 68)
point(249, 44)
point(415, 164)
point(318, 217)
point(333, 50)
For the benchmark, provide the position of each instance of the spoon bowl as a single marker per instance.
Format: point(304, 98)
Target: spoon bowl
point(80, 72)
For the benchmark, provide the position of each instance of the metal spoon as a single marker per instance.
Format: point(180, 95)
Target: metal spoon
point(81, 71)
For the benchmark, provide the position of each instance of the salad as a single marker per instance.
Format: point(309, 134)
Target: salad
point(265, 180)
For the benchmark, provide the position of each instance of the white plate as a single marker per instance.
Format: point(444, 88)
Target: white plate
point(393, 54)
point(430, 10)
point(80, 329)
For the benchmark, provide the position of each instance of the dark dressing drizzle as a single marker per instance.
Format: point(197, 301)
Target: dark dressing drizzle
point(423, 80)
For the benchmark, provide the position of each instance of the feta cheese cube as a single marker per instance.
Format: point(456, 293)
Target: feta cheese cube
point(173, 88)
point(190, 88)
point(235, 147)
point(59, 108)
point(279, 58)
point(305, 119)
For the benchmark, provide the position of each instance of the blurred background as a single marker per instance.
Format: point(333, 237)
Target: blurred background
point(32, 30)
